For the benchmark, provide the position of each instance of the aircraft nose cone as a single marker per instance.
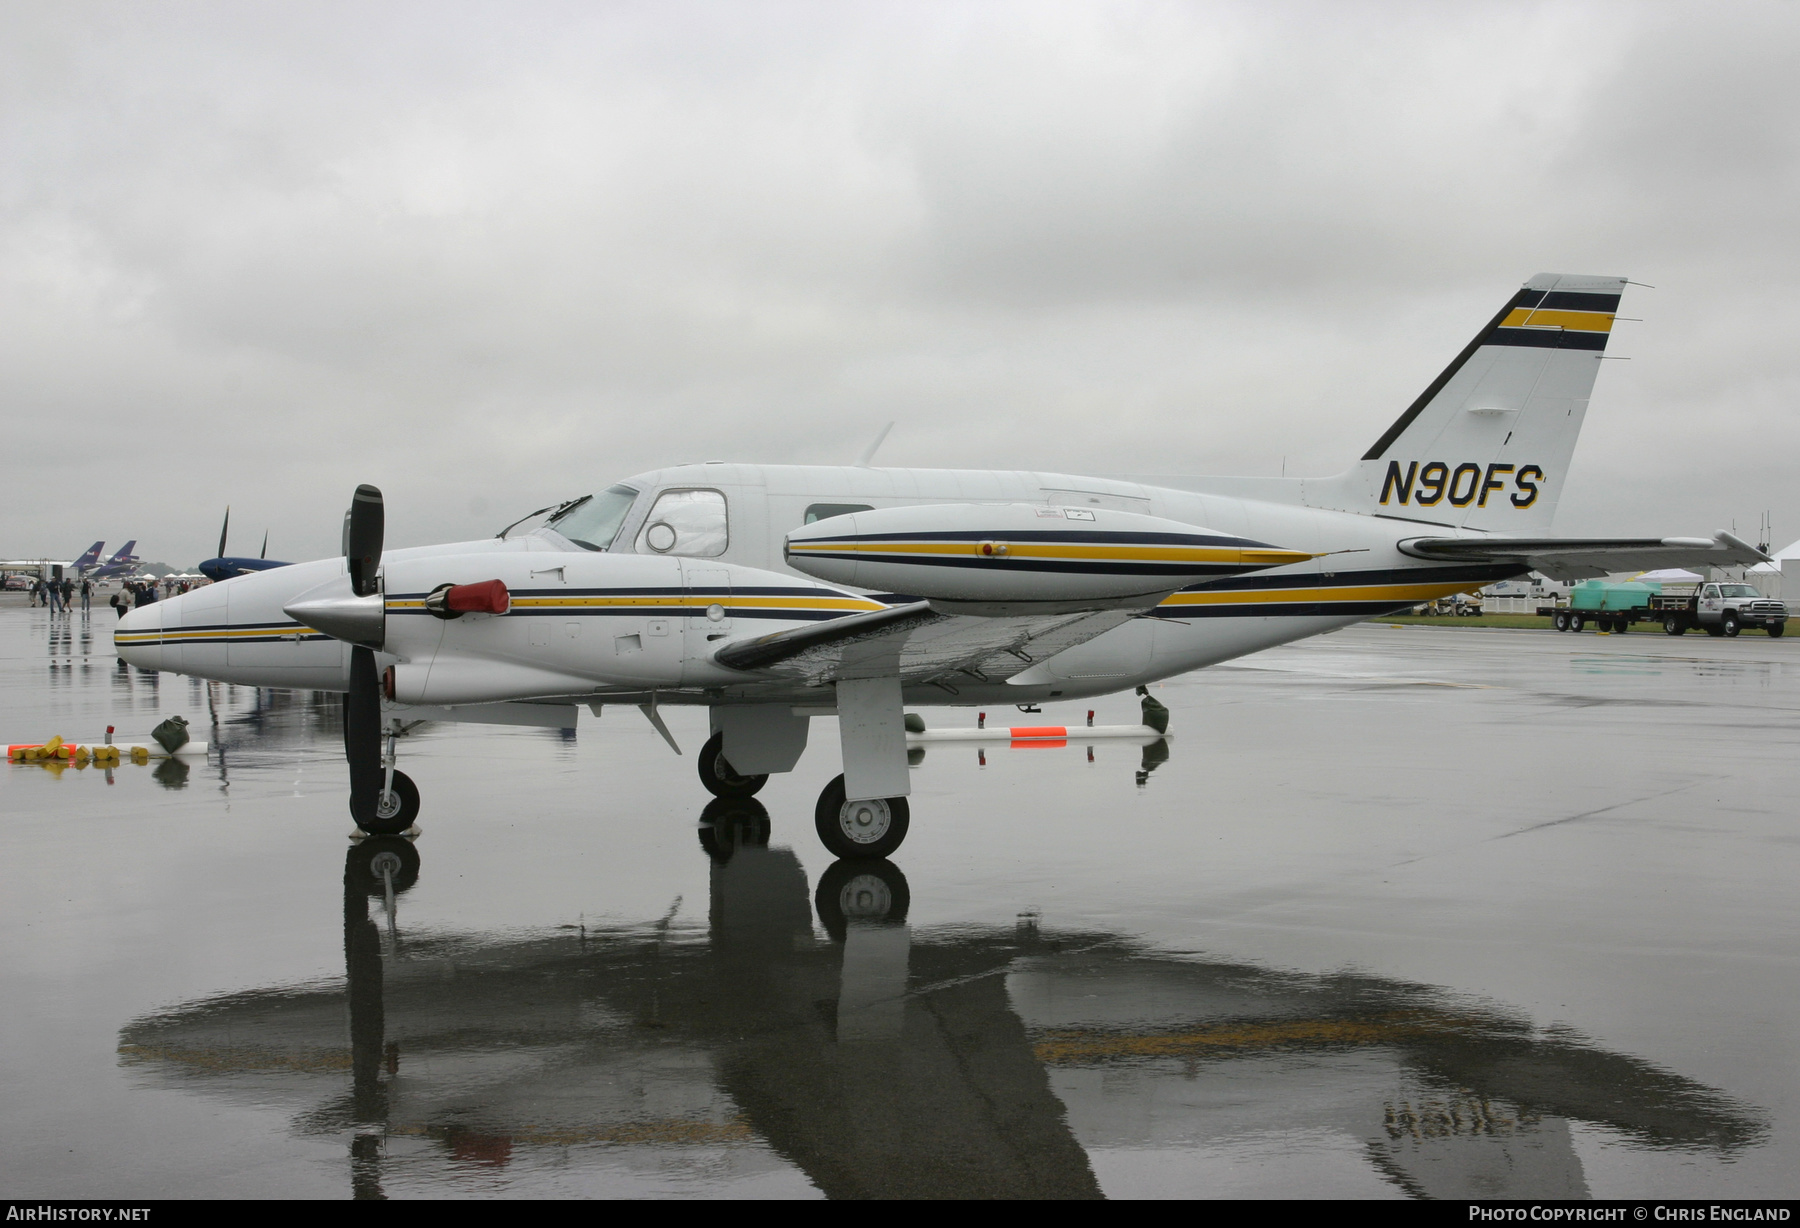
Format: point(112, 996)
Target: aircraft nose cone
point(138, 637)
point(334, 608)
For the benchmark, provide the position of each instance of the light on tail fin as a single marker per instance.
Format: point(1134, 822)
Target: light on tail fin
point(1487, 444)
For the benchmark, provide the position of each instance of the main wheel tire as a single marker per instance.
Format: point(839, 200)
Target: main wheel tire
point(719, 778)
point(1729, 624)
point(394, 812)
point(867, 891)
point(1673, 625)
point(1775, 630)
point(1560, 621)
point(1577, 622)
point(861, 830)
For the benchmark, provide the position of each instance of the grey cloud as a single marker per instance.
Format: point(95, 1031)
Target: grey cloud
point(503, 254)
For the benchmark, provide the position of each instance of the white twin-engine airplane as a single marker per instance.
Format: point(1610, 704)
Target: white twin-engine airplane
point(774, 593)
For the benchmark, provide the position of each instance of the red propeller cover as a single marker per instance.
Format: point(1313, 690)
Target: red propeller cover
point(488, 597)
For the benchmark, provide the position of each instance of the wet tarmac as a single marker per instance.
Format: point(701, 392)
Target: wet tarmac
point(1396, 912)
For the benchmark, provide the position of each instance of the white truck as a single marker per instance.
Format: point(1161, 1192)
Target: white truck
point(1718, 608)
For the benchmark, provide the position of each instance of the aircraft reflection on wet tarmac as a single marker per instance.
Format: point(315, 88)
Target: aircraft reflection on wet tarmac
point(883, 1062)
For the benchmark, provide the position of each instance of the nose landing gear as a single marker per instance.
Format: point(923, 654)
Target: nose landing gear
point(397, 804)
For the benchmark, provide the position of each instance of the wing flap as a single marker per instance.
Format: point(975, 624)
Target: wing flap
point(919, 644)
point(1577, 558)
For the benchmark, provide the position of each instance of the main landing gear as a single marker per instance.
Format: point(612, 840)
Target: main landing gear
point(719, 778)
point(861, 830)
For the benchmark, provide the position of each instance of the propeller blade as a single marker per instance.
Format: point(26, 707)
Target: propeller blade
point(223, 530)
point(265, 549)
point(362, 736)
point(362, 539)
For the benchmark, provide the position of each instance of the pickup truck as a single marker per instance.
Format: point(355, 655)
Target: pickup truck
point(1719, 609)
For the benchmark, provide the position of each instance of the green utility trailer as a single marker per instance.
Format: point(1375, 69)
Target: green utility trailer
point(1607, 607)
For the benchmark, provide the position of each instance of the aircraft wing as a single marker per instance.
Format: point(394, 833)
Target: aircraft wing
point(922, 645)
point(1576, 558)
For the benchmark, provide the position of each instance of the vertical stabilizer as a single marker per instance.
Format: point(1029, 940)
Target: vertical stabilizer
point(1487, 445)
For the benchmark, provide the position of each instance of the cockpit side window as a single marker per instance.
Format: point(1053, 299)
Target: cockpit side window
point(692, 523)
point(593, 523)
point(825, 511)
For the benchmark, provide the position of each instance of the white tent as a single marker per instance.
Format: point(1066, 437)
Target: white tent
point(1670, 575)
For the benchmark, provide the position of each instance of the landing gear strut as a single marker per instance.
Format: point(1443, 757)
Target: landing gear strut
point(860, 830)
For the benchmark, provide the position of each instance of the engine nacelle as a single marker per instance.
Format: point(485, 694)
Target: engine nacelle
point(1021, 553)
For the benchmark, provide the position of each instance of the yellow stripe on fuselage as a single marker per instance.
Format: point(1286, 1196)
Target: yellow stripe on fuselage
point(1376, 592)
point(698, 601)
point(177, 634)
point(1581, 321)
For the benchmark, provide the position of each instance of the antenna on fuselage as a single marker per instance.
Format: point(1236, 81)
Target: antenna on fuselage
point(874, 447)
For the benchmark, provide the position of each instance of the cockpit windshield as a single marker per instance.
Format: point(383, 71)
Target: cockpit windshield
point(593, 523)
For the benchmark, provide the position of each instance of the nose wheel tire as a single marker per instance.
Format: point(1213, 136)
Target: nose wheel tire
point(860, 830)
point(395, 811)
point(719, 778)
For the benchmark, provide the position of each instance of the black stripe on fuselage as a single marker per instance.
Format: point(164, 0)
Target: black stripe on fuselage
point(664, 590)
point(1061, 566)
point(660, 611)
point(1484, 573)
point(1289, 609)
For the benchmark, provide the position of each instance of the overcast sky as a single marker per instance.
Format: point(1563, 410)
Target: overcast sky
point(490, 256)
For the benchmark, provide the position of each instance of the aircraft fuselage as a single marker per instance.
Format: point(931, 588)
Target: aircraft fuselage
point(236, 631)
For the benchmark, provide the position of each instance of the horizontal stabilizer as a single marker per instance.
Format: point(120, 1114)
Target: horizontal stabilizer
point(1577, 558)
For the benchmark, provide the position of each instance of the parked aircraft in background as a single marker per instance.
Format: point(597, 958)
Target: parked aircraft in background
point(224, 567)
point(774, 593)
point(123, 563)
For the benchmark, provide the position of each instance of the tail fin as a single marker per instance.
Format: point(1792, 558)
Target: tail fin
point(1487, 445)
point(91, 556)
point(125, 554)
